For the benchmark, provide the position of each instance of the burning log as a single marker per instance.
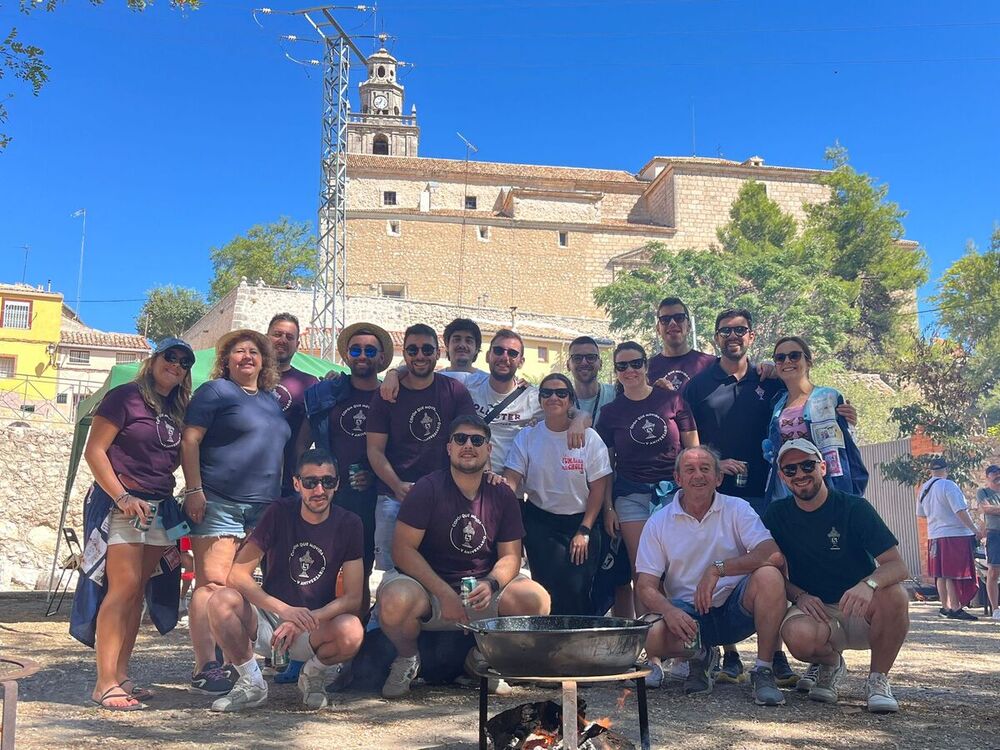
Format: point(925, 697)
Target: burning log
point(538, 726)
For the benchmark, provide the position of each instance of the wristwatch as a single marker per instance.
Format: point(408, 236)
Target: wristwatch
point(493, 583)
point(872, 584)
point(584, 531)
point(720, 565)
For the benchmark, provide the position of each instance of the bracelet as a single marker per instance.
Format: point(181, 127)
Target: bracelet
point(121, 497)
point(583, 530)
point(185, 493)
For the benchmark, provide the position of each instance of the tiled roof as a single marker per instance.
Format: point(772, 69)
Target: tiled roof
point(505, 172)
point(106, 340)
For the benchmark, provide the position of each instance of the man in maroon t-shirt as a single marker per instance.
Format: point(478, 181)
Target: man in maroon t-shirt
point(678, 362)
point(454, 524)
point(306, 541)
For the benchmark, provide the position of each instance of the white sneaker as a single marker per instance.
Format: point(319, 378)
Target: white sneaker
point(679, 670)
point(995, 615)
point(243, 696)
point(880, 697)
point(313, 689)
point(827, 677)
point(403, 671)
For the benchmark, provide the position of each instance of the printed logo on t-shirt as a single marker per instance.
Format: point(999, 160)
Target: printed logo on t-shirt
point(572, 463)
point(425, 423)
point(677, 378)
point(648, 429)
point(283, 396)
point(468, 534)
point(834, 536)
point(759, 390)
point(306, 563)
point(354, 419)
point(167, 432)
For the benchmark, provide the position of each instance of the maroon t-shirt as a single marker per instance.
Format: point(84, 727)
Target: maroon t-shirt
point(290, 393)
point(678, 370)
point(646, 435)
point(348, 428)
point(461, 535)
point(147, 447)
point(417, 426)
point(302, 560)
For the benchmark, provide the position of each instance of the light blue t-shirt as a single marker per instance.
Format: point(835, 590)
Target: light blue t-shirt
point(593, 406)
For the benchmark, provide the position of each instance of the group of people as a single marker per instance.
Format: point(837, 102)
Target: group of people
point(736, 489)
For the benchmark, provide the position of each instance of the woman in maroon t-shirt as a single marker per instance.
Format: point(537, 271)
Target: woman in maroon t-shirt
point(133, 451)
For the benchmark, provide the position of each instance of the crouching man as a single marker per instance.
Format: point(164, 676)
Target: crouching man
point(306, 542)
point(831, 541)
point(454, 524)
point(723, 581)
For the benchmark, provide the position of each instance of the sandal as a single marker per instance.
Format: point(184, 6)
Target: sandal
point(102, 702)
point(139, 693)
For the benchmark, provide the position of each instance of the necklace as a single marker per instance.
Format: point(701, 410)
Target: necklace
point(250, 391)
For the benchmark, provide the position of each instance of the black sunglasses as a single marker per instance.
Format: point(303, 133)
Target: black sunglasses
point(727, 331)
point(175, 359)
point(460, 438)
point(370, 351)
point(790, 356)
point(790, 470)
point(544, 393)
point(427, 350)
point(327, 481)
point(499, 351)
point(588, 358)
point(635, 364)
point(678, 318)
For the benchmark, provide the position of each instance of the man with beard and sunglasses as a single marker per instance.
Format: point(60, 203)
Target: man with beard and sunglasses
point(406, 438)
point(454, 524)
point(677, 363)
point(841, 600)
point(462, 343)
point(305, 541)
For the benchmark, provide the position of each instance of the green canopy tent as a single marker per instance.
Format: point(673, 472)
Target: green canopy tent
point(202, 370)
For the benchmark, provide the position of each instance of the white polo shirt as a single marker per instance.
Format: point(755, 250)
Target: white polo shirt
point(682, 547)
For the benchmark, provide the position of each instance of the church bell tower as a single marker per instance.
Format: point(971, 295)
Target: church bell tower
point(381, 128)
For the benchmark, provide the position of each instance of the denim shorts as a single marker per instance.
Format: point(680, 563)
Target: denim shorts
point(727, 623)
point(636, 501)
point(227, 517)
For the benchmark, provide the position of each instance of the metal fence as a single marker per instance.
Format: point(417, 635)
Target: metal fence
point(895, 502)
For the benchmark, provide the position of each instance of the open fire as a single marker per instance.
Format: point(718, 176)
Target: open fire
point(538, 726)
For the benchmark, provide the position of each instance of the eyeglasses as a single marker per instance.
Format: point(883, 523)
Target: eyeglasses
point(790, 356)
point(427, 350)
point(790, 470)
point(678, 318)
point(727, 331)
point(370, 351)
point(328, 482)
point(499, 351)
point(635, 364)
point(544, 393)
point(175, 359)
point(461, 438)
point(588, 358)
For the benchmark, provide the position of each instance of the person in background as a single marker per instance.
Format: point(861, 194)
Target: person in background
point(584, 365)
point(677, 363)
point(133, 450)
point(988, 502)
point(232, 454)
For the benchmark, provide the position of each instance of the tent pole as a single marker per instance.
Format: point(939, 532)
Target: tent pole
point(79, 437)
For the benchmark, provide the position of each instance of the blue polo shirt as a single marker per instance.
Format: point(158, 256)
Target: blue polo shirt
point(733, 416)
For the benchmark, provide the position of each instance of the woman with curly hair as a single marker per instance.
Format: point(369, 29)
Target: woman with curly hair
point(232, 455)
point(133, 451)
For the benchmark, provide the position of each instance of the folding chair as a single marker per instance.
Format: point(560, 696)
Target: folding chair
point(72, 563)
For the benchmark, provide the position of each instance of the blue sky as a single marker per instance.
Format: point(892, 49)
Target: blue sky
point(179, 130)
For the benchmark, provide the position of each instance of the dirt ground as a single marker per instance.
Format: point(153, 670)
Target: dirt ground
point(945, 679)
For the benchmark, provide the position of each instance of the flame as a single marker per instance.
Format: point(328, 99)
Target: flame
point(604, 721)
point(621, 698)
point(539, 738)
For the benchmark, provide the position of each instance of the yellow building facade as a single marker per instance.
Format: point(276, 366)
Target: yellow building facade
point(30, 319)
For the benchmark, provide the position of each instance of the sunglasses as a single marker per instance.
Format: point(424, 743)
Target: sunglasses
point(790, 356)
point(370, 351)
point(427, 350)
point(790, 470)
point(588, 358)
point(727, 331)
point(499, 351)
point(635, 364)
point(327, 481)
point(544, 393)
point(677, 318)
point(174, 358)
point(461, 438)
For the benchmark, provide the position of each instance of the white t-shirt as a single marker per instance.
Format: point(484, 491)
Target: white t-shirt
point(679, 545)
point(593, 406)
point(468, 379)
point(505, 425)
point(939, 507)
point(557, 478)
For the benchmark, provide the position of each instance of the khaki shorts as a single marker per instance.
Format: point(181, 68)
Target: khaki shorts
point(846, 633)
point(267, 623)
point(121, 531)
point(435, 621)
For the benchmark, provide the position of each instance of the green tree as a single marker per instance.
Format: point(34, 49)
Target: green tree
point(280, 253)
point(169, 311)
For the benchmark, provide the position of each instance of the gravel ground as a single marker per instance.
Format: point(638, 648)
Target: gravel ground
point(945, 679)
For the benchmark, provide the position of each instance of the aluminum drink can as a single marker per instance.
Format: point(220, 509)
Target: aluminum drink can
point(693, 646)
point(279, 658)
point(154, 506)
point(468, 583)
point(353, 470)
point(741, 480)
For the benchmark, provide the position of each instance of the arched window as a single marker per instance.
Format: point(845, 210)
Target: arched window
point(380, 145)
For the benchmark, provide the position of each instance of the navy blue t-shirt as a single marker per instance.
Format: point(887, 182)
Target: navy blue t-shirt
point(243, 449)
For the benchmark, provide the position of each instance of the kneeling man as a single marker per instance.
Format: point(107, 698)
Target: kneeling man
point(831, 541)
point(454, 524)
point(306, 542)
point(723, 580)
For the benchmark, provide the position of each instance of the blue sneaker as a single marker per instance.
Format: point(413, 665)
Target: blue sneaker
point(290, 674)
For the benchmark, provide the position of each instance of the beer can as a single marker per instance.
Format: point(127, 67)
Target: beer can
point(467, 585)
point(354, 469)
point(154, 506)
point(693, 646)
point(279, 658)
point(741, 480)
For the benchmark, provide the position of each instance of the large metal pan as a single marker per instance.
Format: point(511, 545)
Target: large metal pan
point(560, 646)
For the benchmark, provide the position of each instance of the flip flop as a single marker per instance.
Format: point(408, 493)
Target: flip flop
point(105, 696)
point(139, 693)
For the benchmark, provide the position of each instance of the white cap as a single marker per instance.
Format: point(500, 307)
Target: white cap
point(800, 444)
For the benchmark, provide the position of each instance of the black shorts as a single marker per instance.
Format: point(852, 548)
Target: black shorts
point(363, 505)
point(993, 546)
